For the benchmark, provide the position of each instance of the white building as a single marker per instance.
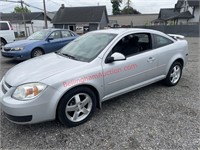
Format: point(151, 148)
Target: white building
point(34, 22)
point(185, 12)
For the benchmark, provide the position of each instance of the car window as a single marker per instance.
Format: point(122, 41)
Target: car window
point(143, 38)
point(160, 41)
point(133, 44)
point(65, 34)
point(56, 35)
point(39, 35)
point(4, 26)
point(88, 46)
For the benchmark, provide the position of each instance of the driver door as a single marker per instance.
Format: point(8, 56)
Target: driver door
point(55, 43)
point(135, 71)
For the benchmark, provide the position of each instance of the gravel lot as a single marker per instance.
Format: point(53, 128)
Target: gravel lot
point(154, 117)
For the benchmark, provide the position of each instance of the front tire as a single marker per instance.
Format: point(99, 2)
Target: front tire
point(36, 52)
point(76, 107)
point(174, 74)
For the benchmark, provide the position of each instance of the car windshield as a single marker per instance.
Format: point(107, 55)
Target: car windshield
point(88, 46)
point(39, 35)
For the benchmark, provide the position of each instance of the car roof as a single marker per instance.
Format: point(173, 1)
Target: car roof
point(54, 29)
point(4, 21)
point(127, 30)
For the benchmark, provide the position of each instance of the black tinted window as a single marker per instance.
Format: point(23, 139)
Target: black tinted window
point(161, 41)
point(4, 26)
point(133, 44)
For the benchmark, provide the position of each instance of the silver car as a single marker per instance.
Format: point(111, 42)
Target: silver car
point(71, 83)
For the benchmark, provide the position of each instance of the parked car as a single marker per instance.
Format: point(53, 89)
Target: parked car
point(93, 68)
point(7, 34)
point(39, 43)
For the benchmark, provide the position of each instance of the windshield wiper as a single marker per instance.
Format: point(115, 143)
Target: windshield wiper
point(67, 55)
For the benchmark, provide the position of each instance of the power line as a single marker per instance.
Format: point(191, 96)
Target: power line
point(54, 2)
point(33, 6)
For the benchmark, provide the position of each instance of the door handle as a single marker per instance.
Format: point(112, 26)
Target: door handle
point(151, 59)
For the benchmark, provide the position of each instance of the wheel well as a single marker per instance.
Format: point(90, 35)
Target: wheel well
point(3, 39)
point(180, 61)
point(98, 105)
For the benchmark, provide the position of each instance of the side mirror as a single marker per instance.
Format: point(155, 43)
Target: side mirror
point(49, 39)
point(115, 57)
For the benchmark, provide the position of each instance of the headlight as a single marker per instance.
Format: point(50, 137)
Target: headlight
point(17, 49)
point(28, 91)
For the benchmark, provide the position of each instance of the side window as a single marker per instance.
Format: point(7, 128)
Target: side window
point(56, 35)
point(4, 26)
point(133, 44)
point(65, 34)
point(160, 41)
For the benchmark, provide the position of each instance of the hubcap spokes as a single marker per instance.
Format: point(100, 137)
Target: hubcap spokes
point(78, 107)
point(175, 74)
point(37, 53)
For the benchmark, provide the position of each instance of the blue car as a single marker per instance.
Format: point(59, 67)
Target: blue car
point(39, 43)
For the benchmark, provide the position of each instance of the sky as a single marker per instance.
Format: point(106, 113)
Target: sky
point(143, 6)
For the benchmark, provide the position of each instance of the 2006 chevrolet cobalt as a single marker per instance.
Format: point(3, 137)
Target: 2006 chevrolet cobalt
point(71, 83)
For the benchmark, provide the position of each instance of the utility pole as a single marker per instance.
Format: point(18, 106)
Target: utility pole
point(45, 15)
point(26, 33)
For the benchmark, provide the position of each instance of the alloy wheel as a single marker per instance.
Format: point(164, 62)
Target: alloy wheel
point(37, 53)
point(78, 107)
point(175, 74)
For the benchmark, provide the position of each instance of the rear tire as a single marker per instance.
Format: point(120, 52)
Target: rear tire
point(76, 107)
point(174, 74)
point(36, 52)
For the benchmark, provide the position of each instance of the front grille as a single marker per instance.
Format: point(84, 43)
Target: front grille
point(5, 87)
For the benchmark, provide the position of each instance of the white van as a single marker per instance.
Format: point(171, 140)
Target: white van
point(7, 34)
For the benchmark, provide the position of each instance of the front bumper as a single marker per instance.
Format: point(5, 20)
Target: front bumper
point(40, 109)
point(18, 55)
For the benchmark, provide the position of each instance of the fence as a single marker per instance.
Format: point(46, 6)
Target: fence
point(186, 30)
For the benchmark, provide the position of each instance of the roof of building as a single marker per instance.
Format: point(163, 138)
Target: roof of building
point(194, 3)
point(167, 13)
point(179, 4)
point(92, 14)
point(51, 14)
point(18, 18)
point(183, 15)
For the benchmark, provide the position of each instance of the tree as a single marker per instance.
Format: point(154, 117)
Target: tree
point(128, 9)
point(18, 9)
point(116, 6)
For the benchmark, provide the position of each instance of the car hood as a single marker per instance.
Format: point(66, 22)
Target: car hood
point(20, 43)
point(37, 69)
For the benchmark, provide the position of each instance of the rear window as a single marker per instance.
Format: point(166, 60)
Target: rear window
point(160, 41)
point(4, 26)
